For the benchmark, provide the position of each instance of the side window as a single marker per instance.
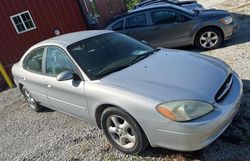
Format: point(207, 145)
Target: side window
point(118, 26)
point(57, 61)
point(166, 17)
point(136, 21)
point(33, 61)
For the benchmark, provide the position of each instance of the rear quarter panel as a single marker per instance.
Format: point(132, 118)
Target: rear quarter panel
point(17, 72)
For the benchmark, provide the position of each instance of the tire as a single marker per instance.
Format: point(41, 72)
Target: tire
point(30, 100)
point(122, 131)
point(208, 39)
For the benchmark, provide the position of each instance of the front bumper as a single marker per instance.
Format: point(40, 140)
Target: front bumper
point(230, 30)
point(196, 134)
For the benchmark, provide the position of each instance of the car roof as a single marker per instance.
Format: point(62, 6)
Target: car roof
point(174, 2)
point(152, 7)
point(145, 8)
point(70, 38)
point(150, 2)
point(140, 9)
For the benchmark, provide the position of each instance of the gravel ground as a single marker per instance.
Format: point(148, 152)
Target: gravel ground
point(50, 135)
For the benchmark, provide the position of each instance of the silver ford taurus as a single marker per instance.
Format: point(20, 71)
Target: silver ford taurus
point(137, 94)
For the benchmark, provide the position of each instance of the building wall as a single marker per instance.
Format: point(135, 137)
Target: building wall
point(118, 6)
point(48, 15)
point(105, 14)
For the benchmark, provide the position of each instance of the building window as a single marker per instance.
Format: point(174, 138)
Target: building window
point(110, 6)
point(23, 22)
point(94, 8)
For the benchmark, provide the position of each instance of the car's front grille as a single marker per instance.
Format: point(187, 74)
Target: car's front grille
point(225, 88)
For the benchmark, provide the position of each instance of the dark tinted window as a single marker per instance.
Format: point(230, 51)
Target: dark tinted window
point(136, 21)
point(165, 17)
point(118, 26)
point(57, 61)
point(104, 52)
point(33, 60)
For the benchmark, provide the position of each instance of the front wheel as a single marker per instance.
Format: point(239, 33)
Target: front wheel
point(122, 131)
point(30, 100)
point(208, 39)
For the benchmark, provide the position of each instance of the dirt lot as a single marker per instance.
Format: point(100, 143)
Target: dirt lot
point(51, 135)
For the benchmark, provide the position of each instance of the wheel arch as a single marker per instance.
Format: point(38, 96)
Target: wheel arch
point(20, 85)
point(101, 108)
point(98, 113)
point(207, 27)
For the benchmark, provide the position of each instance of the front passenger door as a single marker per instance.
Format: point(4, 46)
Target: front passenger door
point(66, 96)
point(171, 28)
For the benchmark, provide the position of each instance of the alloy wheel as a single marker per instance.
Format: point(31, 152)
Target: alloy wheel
point(29, 99)
point(121, 131)
point(209, 39)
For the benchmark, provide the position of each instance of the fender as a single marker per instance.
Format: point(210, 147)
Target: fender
point(199, 27)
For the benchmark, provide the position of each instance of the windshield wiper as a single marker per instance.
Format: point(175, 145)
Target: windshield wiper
point(109, 71)
point(144, 55)
point(115, 69)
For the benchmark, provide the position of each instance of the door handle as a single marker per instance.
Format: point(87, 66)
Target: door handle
point(23, 78)
point(48, 86)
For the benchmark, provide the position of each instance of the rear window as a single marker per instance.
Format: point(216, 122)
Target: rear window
point(33, 61)
point(118, 26)
point(136, 21)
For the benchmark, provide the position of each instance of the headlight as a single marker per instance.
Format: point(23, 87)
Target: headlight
point(226, 20)
point(184, 110)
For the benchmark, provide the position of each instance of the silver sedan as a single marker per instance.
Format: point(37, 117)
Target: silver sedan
point(137, 94)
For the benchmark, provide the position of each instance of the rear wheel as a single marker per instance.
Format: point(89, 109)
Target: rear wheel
point(30, 100)
point(208, 39)
point(122, 131)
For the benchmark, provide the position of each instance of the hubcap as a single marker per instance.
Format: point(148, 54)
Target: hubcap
point(121, 131)
point(209, 39)
point(29, 99)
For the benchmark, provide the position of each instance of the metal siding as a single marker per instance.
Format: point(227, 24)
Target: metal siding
point(118, 6)
point(48, 15)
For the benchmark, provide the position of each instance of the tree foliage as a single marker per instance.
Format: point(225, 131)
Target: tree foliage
point(131, 3)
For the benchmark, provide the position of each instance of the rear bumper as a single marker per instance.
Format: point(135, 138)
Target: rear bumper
point(194, 135)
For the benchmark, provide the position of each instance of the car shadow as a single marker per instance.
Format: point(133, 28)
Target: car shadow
point(241, 36)
point(46, 109)
point(165, 153)
point(236, 137)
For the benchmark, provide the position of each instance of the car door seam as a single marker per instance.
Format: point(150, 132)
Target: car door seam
point(66, 103)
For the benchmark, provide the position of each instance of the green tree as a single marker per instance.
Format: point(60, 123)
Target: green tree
point(131, 3)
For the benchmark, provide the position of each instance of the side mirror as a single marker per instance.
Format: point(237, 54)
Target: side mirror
point(63, 76)
point(144, 42)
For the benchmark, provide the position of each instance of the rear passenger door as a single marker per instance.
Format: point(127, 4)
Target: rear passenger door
point(137, 26)
point(33, 75)
point(171, 27)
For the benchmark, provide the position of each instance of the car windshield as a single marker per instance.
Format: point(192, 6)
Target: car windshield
point(104, 54)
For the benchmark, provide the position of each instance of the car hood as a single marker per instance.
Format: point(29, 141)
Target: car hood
point(213, 13)
point(173, 75)
point(192, 6)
